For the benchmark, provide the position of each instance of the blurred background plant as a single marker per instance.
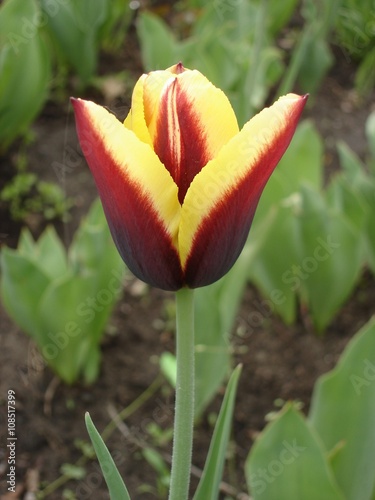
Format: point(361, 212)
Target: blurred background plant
point(319, 229)
point(47, 40)
point(323, 449)
point(26, 195)
point(354, 33)
point(63, 300)
point(250, 49)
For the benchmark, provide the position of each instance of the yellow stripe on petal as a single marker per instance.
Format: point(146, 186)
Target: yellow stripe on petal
point(212, 107)
point(193, 121)
point(213, 113)
point(144, 106)
point(139, 164)
point(135, 120)
point(154, 85)
point(251, 155)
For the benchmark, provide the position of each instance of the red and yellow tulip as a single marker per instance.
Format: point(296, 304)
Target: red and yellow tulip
point(178, 180)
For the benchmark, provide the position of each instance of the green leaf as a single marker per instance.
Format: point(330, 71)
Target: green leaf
point(212, 347)
point(114, 32)
point(303, 161)
point(370, 239)
point(75, 27)
point(73, 471)
point(345, 198)
point(287, 462)
point(116, 486)
point(237, 20)
point(158, 46)
point(67, 316)
point(365, 76)
point(329, 243)
point(26, 243)
point(168, 367)
point(24, 67)
point(72, 326)
point(343, 411)
point(208, 487)
point(350, 162)
point(20, 279)
point(280, 13)
point(93, 249)
point(370, 134)
point(51, 254)
point(358, 204)
point(157, 462)
point(317, 60)
point(301, 164)
point(272, 271)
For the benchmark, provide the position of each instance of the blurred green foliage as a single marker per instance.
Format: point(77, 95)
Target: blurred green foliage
point(248, 48)
point(234, 49)
point(25, 67)
point(318, 231)
point(79, 28)
point(355, 35)
point(38, 38)
point(26, 195)
point(330, 454)
point(241, 47)
point(63, 299)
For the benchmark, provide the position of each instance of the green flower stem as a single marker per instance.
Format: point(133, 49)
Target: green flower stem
point(184, 406)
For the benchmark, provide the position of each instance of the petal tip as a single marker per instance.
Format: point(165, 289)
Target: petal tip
point(76, 102)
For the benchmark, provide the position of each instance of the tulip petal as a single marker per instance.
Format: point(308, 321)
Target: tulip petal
point(135, 120)
point(138, 194)
point(220, 204)
point(145, 96)
point(154, 85)
point(189, 128)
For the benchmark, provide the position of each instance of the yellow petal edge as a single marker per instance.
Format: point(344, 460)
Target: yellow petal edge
point(234, 161)
point(138, 163)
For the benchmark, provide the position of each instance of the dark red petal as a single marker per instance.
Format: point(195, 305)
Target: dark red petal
point(221, 237)
point(136, 227)
point(223, 230)
point(141, 241)
point(180, 140)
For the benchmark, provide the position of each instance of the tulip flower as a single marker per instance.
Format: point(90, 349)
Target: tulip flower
point(178, 180)
point(179, 184)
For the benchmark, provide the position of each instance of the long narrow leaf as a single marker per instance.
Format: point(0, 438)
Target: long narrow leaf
point(116, 486)
point(208, 488)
